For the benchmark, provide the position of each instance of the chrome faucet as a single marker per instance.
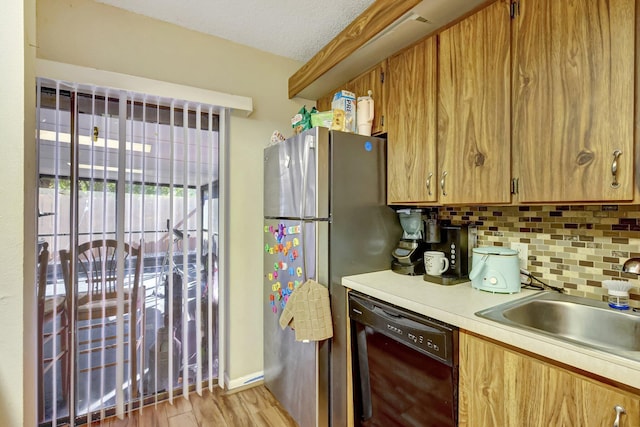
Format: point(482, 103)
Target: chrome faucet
point(632, 265)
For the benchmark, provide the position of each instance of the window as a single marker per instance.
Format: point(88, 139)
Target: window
point(141, 171)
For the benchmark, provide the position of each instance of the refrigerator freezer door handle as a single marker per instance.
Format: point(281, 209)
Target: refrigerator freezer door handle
point(309, 145)
point(309, 141)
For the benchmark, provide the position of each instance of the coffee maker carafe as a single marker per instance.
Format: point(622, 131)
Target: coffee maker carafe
point(408, 254)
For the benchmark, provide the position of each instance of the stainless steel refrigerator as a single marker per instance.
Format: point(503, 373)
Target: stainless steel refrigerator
point(325, 217)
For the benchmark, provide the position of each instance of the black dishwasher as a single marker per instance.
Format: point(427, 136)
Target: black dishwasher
point(405, 366)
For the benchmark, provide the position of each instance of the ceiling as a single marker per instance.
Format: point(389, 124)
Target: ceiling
point(308, 26)
point(295, 29)
point(298, 29)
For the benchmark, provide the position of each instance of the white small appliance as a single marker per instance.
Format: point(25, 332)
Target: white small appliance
point(495, 269)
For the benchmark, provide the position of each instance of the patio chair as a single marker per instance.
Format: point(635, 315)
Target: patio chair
point(51, 309)
point(96, 295)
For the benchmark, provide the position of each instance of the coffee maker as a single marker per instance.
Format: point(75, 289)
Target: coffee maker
point(408, 254)
point(457, 242)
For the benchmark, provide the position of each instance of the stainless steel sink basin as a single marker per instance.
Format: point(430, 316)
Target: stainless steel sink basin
point(577, 320)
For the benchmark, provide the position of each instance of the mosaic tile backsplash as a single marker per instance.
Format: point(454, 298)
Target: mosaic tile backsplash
point(574, 247)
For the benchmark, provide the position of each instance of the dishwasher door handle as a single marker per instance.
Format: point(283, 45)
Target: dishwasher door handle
point(363, 371)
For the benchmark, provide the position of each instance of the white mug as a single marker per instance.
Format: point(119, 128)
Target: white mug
point(435, 263)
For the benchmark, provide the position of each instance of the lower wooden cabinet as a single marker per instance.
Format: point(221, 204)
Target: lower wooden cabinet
point(501, 387)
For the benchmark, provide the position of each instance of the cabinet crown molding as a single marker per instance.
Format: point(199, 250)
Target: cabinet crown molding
point(384, 28)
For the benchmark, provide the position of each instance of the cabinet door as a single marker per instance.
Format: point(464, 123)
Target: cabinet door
point(474, 107)
point(501, 387)
point(324, 103)
point(371, 80)
point(411, 125)
point(573, 106)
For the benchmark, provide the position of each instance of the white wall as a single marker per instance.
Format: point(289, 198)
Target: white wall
point(85, 33)
point(17, 218)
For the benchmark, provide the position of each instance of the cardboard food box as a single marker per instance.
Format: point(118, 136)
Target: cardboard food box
point(344, 101)
point(322, 118)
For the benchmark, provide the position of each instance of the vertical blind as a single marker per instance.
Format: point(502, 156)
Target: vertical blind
point(142, 171)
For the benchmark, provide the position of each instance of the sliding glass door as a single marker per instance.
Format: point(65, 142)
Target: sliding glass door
point(141, 172)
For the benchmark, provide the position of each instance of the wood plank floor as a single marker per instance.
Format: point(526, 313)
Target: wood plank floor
point(255, 406)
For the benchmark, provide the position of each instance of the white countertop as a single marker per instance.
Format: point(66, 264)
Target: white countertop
point(457, 304)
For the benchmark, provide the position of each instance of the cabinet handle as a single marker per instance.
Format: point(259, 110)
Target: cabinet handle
point(429, 182)
point(619, 410)
point(614, 169)
point(444, 175)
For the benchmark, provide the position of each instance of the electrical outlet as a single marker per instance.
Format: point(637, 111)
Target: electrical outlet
point(523, 253)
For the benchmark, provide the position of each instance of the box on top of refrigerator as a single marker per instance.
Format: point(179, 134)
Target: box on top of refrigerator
point(344, 101)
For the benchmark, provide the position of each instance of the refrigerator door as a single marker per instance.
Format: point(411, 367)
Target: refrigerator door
point(290, 367)
point(363, 232)
point(296, 176)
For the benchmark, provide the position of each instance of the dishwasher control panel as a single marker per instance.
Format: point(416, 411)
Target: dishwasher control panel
point(427, 335)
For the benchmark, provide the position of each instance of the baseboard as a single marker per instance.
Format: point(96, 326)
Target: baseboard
point(244, 381)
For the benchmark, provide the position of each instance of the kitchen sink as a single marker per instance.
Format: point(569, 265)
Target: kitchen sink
point(581, 321)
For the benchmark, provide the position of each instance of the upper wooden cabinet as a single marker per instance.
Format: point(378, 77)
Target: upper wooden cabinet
point(573, 100)
point(324, 103)
point(411, 125)
point(372, 80)
point(536, 93)
point(474, 104)
point(502, 387)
